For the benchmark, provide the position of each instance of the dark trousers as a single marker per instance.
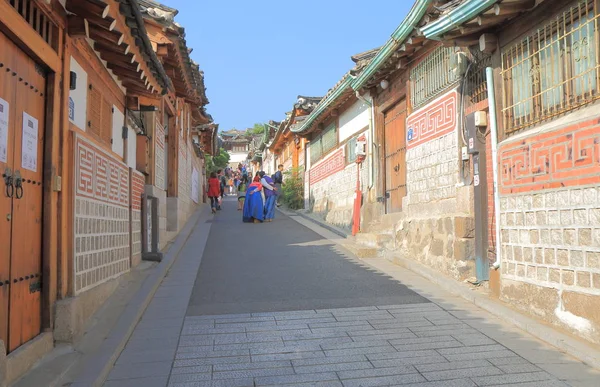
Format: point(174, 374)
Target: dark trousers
point(214, 202)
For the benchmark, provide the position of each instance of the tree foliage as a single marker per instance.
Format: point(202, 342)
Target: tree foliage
point(220, 161)
point(257, 129)
point(292, 190)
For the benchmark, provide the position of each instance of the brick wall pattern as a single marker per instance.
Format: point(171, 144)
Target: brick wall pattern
point(566, 157)
point(332, 164)
point(433, 120)
point(101, 221)
point(159, 156)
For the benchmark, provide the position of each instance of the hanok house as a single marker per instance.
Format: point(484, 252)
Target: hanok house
point(333, 128)
point(237, 144)
point(530, 211)
point(269, 162)
point(287, 147)
point(74, 77)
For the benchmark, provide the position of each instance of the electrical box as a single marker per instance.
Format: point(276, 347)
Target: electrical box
point(473, 143)
point(465, 153)
point(481, 119)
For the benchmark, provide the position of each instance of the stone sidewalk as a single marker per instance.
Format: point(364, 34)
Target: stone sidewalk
point(447, 342)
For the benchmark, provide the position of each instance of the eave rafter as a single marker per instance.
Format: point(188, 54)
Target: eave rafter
point(110, 25)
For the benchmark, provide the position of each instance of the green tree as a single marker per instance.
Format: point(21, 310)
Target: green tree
point(292, 190)
point(257, 129)
point(220, 161)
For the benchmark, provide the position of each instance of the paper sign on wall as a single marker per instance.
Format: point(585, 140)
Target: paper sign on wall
point(29, 146)
point(3, 130)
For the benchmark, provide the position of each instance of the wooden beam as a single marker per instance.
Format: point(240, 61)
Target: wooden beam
point(78, 27)
point(114, 37)
point(102, 46)
point(95, 15)
point(17, 28)
point(488, 20)
point(124, 73)
point(132, 103)
point(513, 8)
point(488, 43)
point(123, 60)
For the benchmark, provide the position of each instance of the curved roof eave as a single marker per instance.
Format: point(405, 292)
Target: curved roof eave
point(409, 23)
point(466, 11)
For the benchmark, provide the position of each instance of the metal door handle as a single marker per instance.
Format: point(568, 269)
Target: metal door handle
point(8, 181)
point(18, 185)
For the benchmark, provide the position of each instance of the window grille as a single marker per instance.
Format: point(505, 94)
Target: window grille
point(329, 138)
point(38, 20)
point(351, 150)
point(476, 82)
point(554, 70)
point(316, 151)
point(433, 75)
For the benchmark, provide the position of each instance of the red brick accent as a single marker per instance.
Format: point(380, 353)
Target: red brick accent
point(566, 157)
point(490, 192)
point(333, 164)
point(433, 120)
point(137, 190)
point(98, 175)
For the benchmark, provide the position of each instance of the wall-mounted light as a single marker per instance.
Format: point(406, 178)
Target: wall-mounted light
point(384, 84)
point(148, 108)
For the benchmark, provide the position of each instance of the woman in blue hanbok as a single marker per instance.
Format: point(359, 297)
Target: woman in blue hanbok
point(270, 196)
point(254, 206)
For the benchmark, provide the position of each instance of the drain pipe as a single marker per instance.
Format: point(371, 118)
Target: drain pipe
point(489, 73)
point(371, 137)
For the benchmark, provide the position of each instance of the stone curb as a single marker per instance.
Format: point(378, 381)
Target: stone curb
point(573, 346)
point(329, 227)
point(96, 367)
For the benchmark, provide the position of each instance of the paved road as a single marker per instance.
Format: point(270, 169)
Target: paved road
point(278, 305)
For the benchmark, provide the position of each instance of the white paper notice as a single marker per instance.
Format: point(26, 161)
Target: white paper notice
point(3, 130)
point(30, 143)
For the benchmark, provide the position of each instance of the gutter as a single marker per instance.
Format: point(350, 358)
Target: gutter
point(489, 75)
point(398, 36)
point(459, 15)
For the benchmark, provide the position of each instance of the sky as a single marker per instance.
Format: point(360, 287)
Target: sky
point(258, 56)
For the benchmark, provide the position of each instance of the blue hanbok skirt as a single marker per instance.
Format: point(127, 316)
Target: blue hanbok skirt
point(254, 208)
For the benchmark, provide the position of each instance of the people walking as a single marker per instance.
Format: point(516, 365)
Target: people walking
point(278, 180)
point(270, 196)
point(214, 190)
point(241, 188)
point(230, 185)
point(254, 209)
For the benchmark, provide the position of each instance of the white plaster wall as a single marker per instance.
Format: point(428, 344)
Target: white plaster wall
point(237, 157)
point(354, 119)
point(78, 97)
point(117, 131)
point(131, 148)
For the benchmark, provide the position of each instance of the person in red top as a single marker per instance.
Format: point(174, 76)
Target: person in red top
point(214, 190)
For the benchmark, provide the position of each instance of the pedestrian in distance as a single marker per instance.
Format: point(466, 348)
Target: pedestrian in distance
point(270, 196)
point(243, 185)
point(214, 190)
point(254, 209)
point(230, 185)
point(278, 180)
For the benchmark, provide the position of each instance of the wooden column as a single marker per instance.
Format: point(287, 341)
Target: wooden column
point(173, 155)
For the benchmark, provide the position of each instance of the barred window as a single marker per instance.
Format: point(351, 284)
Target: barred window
point(322, 144)
point(433, 75)
point(554, 70)
point(351, 150)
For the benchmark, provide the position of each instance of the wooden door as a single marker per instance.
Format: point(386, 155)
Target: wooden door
point(395, 156)
point(22, 89)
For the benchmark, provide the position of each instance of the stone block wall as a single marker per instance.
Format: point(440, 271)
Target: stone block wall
point(550, 225)
point(101, 216)
point(137, 190)
point(332, 188)
point(437, 227)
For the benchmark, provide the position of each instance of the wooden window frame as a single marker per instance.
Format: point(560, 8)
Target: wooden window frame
point(99, 127)
point(547, 53)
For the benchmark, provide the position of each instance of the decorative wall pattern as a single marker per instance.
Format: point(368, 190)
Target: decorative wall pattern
point(565, 157)
point(137, 190)
point(101, 221)
point(159, 156)
point(328, 167)
point(433, 120)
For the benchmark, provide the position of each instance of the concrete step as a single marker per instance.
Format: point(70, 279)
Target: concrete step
point(361, 252)
point(371, 239)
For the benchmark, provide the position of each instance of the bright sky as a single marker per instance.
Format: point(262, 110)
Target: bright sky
point(258, 56)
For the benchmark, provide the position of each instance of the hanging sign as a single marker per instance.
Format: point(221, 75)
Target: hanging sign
point(3, 130)
point(29, 151)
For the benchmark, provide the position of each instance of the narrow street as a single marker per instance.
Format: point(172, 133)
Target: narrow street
point(278, 304)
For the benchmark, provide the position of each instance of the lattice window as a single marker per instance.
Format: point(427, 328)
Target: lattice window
point(38, 20)
point(351, 150)
point(554, 70)
point(316, 150)
point(329, 138)
point(433, 75)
